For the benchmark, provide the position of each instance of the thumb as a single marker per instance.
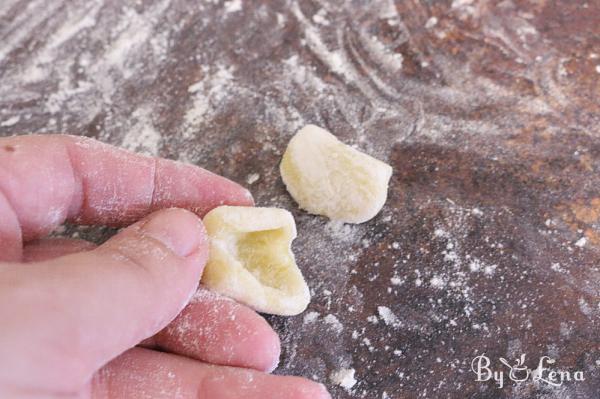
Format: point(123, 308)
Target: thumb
point(73, 314)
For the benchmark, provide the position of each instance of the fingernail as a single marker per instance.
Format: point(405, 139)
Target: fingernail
point(180, 230)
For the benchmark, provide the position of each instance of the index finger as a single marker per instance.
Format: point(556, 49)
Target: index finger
point(47, 180)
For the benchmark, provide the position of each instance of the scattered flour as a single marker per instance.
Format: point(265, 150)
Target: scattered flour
point(344, 378)
point(585, 307)
point(437, 282)
point(431, 22)
point(341, 231)
point(461, 3)
point(233, 6)
point(388, 317)
point(311, 317)
point(475, 265)
point(252, 178)
point(11, 121)
point(208, 92)
point(143, 137)
point(396, 280)
point(321, 17)
point(333, 321)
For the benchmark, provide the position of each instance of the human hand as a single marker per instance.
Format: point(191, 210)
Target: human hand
point(71, 312)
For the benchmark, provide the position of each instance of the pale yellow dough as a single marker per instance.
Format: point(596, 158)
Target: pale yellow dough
point(251, 259)
point(327, 177)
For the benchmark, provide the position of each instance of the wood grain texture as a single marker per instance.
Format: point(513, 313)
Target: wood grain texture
point(488, 111)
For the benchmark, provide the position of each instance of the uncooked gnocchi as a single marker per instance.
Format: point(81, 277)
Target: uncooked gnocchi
point(327, 177)
point(251, 259)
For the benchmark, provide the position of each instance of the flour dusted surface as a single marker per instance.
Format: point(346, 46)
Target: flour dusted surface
point(486, 110)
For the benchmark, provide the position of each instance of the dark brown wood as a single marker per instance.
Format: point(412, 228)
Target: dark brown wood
point(488, 111)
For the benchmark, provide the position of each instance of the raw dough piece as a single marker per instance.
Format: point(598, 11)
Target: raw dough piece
point(251, 259)
point(327, 177)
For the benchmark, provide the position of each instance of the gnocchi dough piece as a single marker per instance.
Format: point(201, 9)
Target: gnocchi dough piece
point(327, 177)
point(251, 259)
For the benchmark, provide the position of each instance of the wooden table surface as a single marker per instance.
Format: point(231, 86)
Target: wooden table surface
point(487, 110)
